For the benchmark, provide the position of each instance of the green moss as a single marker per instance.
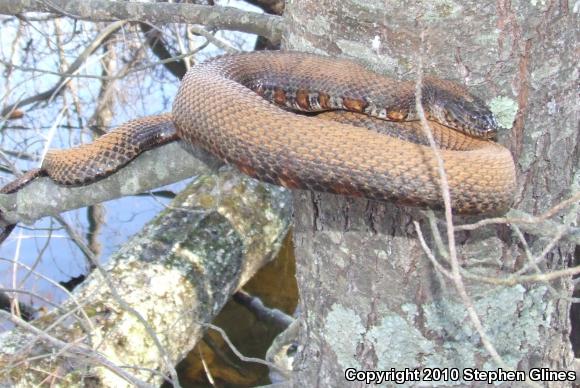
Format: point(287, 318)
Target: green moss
point(504, 110)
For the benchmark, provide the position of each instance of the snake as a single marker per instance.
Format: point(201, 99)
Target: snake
point(306, 121)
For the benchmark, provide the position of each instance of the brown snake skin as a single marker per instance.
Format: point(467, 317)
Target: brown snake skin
point(222, 107)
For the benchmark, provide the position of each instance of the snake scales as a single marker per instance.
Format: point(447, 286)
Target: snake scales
point(236, 107)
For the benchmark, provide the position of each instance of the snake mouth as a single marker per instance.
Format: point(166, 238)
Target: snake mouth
point(472, 118)
point(450, 104)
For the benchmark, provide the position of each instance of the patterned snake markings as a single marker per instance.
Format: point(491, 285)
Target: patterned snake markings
point(370, 145)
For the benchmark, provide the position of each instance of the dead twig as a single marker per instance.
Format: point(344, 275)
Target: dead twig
point(539, 225)
point(444, 184)
point(240, 355)
point(73, 68)
point(75, 351)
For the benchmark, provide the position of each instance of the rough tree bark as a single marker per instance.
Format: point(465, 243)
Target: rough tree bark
point(370, 299)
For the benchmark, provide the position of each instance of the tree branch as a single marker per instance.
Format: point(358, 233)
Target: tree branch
point(225, 18)
point(539, 225)
point(176, 278)
point(158, 46)
point(161, 166)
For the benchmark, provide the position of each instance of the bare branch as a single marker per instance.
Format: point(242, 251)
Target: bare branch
point(73, 68)
point(225, 18)
point(161, 166)
point(73, 350)
point(257, 307)
point(513, 280)
point(538, 225)
point(158, 46)
point(215, 40)
point(429, 252)
point(240, 355)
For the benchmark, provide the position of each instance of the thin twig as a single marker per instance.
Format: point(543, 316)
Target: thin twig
point(208, 375)
point(532, 262)
point(240, 355)
point(124, 305)
point(513, 280)
point(211, 38)
point(33, 294)
point(539, 225)
point(429, 252)
point(102, 77)
point(73, 68)
point(75, 351)
point(86, 323)
point(444, 184)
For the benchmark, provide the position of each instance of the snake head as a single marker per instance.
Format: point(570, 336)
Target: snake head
point(452, 105)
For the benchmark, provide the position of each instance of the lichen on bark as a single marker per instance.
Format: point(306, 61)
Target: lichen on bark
point(176, 273)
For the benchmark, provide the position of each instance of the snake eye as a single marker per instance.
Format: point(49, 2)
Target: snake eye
point(470, 117)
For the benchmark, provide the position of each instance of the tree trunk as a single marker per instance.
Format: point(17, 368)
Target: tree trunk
point(370, 298)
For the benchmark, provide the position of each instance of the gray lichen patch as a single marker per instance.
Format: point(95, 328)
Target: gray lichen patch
point(550, 70)
point(488, 39)
point(411, 310)
point(343, 333)
point(393, 340)
point(512, 318)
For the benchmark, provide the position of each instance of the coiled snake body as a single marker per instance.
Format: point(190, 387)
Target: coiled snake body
point(230, 106)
